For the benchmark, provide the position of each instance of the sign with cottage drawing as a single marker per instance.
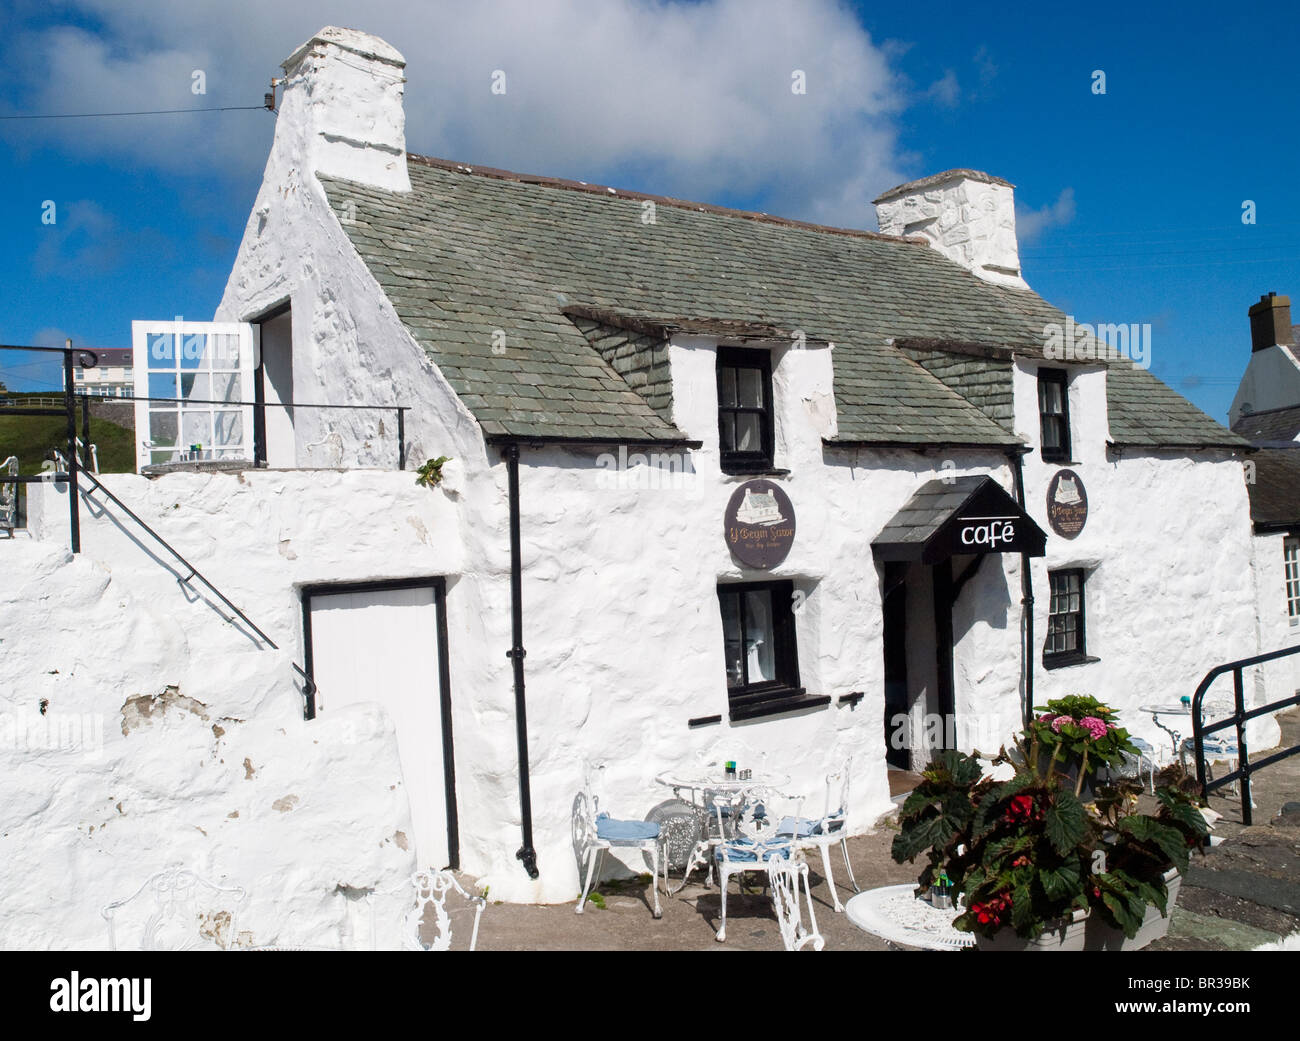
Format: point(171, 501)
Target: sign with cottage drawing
point(1067, 504)
point(760, 524)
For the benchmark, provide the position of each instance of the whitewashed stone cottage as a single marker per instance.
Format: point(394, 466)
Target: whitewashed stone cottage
point(941, 507)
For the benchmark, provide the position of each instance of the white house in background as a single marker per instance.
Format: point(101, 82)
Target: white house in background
point(112, 376)
point(1266, 411)
point(943, 526)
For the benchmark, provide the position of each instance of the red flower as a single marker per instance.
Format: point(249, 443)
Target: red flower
point(1020, 808)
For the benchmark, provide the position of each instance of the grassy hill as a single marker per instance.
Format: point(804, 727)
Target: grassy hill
point(30, 438)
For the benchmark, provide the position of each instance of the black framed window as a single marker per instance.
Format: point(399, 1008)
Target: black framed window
point(762, 661)
point(1054, 414)
point(745, 409)
point(1065, 618)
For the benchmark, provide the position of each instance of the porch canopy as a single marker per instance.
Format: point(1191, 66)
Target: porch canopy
point(959, 516)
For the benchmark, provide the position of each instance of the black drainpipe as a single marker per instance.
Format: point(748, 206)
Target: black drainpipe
point(526, 853)
point(1027, 595)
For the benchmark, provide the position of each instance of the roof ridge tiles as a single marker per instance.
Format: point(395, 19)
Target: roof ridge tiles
point(662, 200)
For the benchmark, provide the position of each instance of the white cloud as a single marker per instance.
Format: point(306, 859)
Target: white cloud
point(1030, 224)
point(946, 91)
point(686, 99)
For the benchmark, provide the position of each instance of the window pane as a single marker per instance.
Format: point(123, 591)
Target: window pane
point(225, 388)
point(162, 428)
point(162, 385)
point(728, 431)
point(749, 432)
point(1052, 432)
point(731, 639)
point(727, 388)
point(196, 428)
point(1049, 397)
point(194, 348)
point(196, 385)
point(750, 387)
point(760, 646)
point(229, 428)
point(161, 350)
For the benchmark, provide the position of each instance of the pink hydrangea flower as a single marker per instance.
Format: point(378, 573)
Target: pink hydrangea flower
point(1059, 722)
point(1096, 727)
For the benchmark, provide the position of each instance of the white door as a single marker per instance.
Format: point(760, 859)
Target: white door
point(381, 645)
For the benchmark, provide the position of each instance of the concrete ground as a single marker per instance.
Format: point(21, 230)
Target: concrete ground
point(1242, 893)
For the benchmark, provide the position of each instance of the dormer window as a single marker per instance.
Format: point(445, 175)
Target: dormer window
point(745, 410)
point(1054, 414)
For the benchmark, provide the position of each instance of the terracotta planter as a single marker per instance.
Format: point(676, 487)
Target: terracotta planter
point(1063, 936)
point(1100, 936)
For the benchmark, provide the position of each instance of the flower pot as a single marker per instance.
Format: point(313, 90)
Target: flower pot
point(1100, 936)
point(1059, 936)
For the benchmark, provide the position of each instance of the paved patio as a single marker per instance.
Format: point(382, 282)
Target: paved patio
point(1241, 894)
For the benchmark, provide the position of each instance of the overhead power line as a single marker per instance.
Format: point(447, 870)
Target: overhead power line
point(149, 112)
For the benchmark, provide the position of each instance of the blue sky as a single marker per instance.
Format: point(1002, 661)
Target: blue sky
point(1130, 203)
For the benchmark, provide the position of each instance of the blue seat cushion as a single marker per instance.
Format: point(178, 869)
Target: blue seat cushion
point(803, 827)
point(612, 830)
point(1140, 744)
point(748, 851)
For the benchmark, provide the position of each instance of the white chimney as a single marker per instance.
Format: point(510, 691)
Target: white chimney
point(968, 216)
point(342, 108)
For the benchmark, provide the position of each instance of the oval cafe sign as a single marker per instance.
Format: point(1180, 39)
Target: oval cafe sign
point(759, 524)
point(1067, 504)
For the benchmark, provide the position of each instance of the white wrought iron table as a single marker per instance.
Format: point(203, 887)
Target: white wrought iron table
point(897, 914)
point(686, 824)
point(1172, 709)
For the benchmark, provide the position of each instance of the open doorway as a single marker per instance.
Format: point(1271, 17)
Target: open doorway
point(273, 434)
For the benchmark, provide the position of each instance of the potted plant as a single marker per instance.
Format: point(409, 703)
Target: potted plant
point(1031, 861)
point(1142, 860)
point(1080, 737)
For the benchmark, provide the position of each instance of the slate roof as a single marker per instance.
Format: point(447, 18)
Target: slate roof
point(1275, 493)
point(480, 265)
point(1275, 424)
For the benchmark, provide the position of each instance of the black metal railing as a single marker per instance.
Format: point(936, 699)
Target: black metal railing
point(1240, 716)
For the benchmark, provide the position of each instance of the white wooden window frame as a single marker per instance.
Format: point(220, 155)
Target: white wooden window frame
point(1291, 574)
point(222, 370)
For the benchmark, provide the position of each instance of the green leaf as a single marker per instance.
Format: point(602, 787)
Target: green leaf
point(1065, 822)
point(1062, 882)
point(1150, 831)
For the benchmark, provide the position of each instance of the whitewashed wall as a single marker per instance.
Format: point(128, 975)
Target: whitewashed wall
point(168, 736)
point(1170, 590)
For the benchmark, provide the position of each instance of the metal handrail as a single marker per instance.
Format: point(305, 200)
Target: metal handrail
point(1239, 718)
point(309, 689)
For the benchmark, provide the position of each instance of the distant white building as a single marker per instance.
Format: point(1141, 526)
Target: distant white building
point(113, 375)
point(859, 512)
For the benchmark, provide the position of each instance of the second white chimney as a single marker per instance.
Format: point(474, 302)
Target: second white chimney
point(967, 215)
point(343, 104)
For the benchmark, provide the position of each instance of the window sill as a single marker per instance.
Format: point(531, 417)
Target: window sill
point(1068, 660)
point(772, 703)
point(752, 470)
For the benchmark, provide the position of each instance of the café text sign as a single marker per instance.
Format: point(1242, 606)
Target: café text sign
point(759, 524)
point(1067, 504)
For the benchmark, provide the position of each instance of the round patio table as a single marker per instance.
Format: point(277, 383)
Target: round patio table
point(897, 914)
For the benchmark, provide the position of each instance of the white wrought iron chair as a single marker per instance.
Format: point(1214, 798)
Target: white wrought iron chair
point(595, 831)
point(9, 496)
point(180, 920)
point(829, 830)
point(755, 846)
point(431, 891)
point(783, 877)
